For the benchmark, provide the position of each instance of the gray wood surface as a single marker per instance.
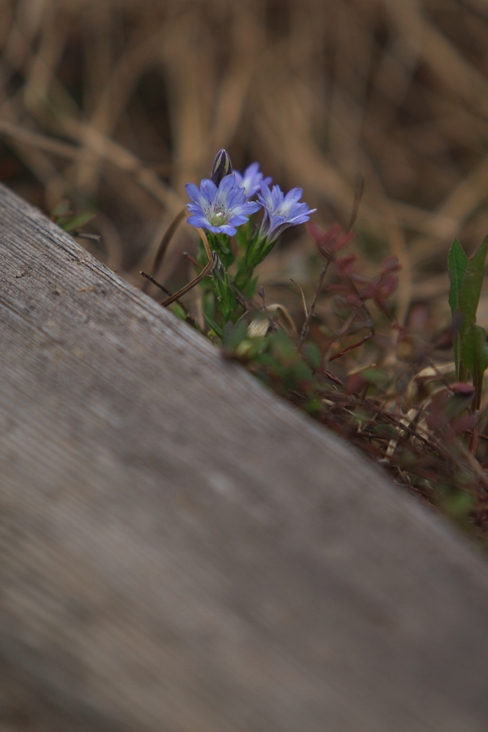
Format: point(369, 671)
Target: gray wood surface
point(181, 551)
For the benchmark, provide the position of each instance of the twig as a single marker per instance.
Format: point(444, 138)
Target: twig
point(85, 235)
point(155, 282)
point(205, 271)
point(246, 304)
point(40, 141)
point(262, 296)
point(192, 260)
point(354, 345)
point(474, 441)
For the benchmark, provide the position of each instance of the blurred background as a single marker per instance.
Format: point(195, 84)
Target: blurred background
point(114, 105)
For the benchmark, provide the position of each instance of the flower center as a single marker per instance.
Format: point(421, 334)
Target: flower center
point(218, 219)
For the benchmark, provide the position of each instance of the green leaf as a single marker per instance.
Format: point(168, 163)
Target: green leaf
point(62, 209)
point(244, 236)
point(77, 222)
point(221, 244)
point(386, 430)
point(470, 291)
point(458, 506)
point(178, 310)
point(234, 334)
point(457, 264)
point(226, 300)
point(313, 355)
point(474, 354)
point(218, 330)
point(457, 357)
point(375, 376)
point(457, 403)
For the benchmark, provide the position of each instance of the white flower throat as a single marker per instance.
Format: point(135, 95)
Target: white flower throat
point(218, 218)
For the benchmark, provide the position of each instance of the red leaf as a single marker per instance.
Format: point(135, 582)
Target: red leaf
point(345, 265)
point(390, 264)
point(330, 241)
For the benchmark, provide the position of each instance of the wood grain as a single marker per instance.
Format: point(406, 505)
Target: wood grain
point(181, 551)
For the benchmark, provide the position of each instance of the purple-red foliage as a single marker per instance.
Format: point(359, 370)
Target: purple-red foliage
point(357, 288)
point(329, 242)
point(446, 412)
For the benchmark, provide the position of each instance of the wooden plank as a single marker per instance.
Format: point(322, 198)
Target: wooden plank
point(182, 551)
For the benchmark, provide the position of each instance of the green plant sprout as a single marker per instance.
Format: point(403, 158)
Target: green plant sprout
point(469, 339)
point(67, 220)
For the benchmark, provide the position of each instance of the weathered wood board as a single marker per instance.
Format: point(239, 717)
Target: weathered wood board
point(180, 551)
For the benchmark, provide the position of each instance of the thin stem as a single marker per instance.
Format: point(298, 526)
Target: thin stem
point(168, 235)
point(206, 244)
point(192, 260)
point(306, 325)
point(354, 345)
point(155, 282)
point(358, 194)
point(305, 309)
point(345, 327)
point(205, 271)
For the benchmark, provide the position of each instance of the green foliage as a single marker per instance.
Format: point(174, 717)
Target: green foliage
point(233, 335)
point(458, 506)
point(470, 347)
point(470, 289)
point(232, 280)
point(458, 264)
point(226, 299)
point(66, 220)
point(178, 310)
point(474, 355)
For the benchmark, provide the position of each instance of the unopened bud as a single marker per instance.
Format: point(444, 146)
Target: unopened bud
point(218, 269)
point(221, 167)
point(243, 348)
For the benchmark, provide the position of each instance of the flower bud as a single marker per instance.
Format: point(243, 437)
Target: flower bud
point(221, 167)
point(218, 269)
point(244, 348)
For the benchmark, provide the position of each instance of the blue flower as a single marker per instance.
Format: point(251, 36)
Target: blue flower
point(219, 209)
point(251, 180)
point(281, 211)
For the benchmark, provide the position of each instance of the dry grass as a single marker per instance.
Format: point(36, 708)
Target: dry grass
point(117, 104)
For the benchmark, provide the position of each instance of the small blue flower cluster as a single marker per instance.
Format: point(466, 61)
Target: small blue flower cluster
point(219, 208)
point(224, 203)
